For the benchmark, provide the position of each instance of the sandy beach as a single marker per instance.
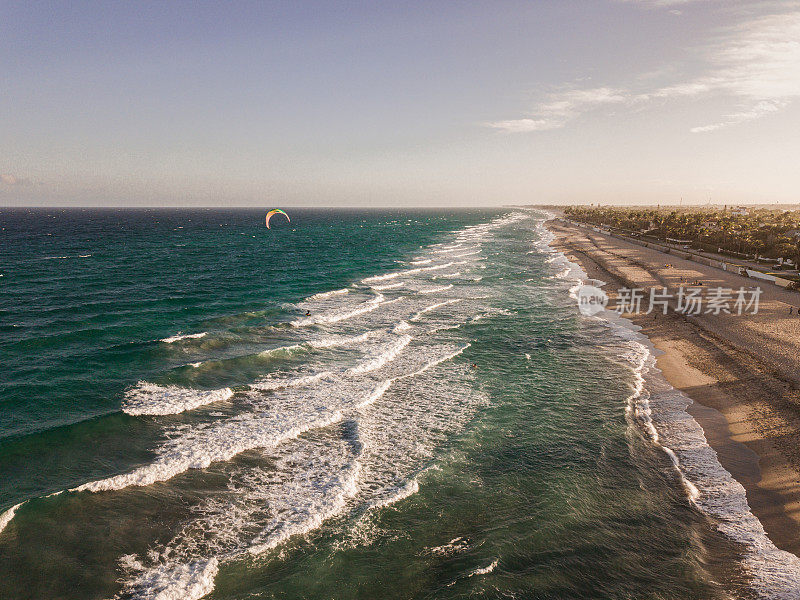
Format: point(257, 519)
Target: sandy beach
point(740, 370)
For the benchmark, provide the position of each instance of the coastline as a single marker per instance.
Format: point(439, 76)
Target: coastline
point(744, 402)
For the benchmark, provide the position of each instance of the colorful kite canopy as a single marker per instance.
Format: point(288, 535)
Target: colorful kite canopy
point(275, 212)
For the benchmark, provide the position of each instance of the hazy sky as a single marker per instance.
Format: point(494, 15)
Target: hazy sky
point(399, 103)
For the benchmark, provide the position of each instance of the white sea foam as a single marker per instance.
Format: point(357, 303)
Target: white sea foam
point(662, 412)
point(395, 409)
point(203, 446)
point(408, 489)
point(454, 546)
point(401, 326)
point(407, 272)
point(384, 277)
point(433, 290)
point(189, 581)
point(277, 383)
point(323, 295)
point(342, 314)
point(376, 359)
point(421, 261)
point(198, 448)
point(64, 257)
point(484, 570)
point(152, 399)
point(312, 516)
point(430, 358)
point(268, 354)
point(310, 483)
point(389, 286)
point(316, 481)
point(376, 394)
point(384, 354)
point(8, 515)
point(281, 350)
point(563, 274)
point(467, 254)
point(449, 249)
point(183, 336)
point(334, 341)
point(222, 442)
point(401, 429)
point(436, 361)
point(427, 309)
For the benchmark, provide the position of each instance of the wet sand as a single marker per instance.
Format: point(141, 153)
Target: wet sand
point(741, 371)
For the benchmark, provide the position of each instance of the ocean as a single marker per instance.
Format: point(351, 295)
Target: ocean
point(355, 404)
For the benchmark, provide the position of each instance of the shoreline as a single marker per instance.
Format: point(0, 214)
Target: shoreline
point(746, 406)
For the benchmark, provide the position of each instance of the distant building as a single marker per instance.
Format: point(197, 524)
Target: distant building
point(742, 211)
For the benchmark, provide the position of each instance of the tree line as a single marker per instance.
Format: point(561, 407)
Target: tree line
point(747, 233)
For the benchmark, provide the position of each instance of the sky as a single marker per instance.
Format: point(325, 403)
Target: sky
point(434, 103)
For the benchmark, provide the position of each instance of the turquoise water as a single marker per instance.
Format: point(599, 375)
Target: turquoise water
point(354, 405)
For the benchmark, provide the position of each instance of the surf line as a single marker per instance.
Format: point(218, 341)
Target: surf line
point(406, 272)
point(200, 578)
point(368, 306)
point(8, 515)
point(382, 387)
point(417, 316)
point(714, 491)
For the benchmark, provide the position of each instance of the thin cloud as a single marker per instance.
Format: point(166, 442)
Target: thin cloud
point(526, 125)
point(561, 109)
point(756, 64)
point(760, 66)
point(659, 3)
point(756, 112)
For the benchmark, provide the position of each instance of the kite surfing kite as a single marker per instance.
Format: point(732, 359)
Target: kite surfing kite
point(274, 212)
